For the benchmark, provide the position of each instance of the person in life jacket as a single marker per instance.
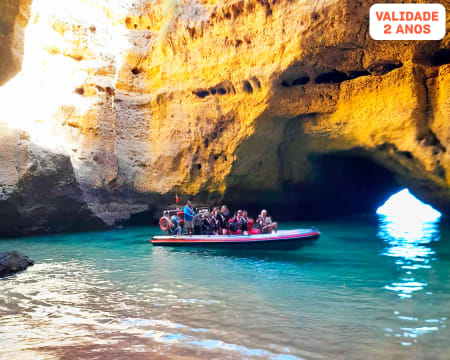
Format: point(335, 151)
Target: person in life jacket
point(224, 216)
point(189, 214)
point(240, 223)
point(214, 221)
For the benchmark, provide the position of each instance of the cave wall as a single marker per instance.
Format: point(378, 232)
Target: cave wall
point(14, 15)
point(211, 99)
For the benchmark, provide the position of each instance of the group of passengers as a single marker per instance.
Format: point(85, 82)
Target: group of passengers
point(220, 222)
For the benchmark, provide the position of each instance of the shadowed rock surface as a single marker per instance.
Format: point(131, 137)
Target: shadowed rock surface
point(282, 104)
point(12, 262)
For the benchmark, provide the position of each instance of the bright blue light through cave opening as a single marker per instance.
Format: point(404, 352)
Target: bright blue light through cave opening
point(405, 206)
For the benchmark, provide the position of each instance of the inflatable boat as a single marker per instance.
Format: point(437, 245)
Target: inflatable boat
point(281, 240)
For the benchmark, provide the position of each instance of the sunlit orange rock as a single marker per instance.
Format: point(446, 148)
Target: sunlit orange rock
point(252, 102)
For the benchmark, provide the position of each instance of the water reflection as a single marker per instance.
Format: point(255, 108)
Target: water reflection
point(408, 226)
point(409, 242)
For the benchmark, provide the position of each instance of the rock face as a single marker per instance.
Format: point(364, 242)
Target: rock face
point(12, 262)
point(118, 105)
point(14, 16)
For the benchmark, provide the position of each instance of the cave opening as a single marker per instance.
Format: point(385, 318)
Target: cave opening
point(404, 206)
point(336, 184)
point(342, 183)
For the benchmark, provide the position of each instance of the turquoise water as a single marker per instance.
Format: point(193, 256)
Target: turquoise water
point(367, 289)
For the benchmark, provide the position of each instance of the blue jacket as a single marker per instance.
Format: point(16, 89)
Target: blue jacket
point(187, 213)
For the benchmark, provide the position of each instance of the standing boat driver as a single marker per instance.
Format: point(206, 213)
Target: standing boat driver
point(189, 214)
point(265, 224)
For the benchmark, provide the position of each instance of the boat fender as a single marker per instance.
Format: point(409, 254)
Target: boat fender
point(164, 223)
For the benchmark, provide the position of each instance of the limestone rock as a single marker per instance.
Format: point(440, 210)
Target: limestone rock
point(12, 262)
point(14, 15)
point(251, 102)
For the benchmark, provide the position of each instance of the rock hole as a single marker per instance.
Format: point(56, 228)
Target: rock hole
point(79, 90)
point(300, 81)
point(332, 77)
point(359, 73)
point(201, 93)
point(406, 154)
point(213, 91)
point(384, 68)
point(135, 26)
point(221, 91)
point(442, 57)
point(256, 82)
point(247, 87)
point(136, 71)
point(228, 15)
point(199, 166)
point(238, 42)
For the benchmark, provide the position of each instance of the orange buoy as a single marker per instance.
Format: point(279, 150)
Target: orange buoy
point(164, 223)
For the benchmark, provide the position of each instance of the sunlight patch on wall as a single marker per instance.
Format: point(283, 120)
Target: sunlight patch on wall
point(66, 45)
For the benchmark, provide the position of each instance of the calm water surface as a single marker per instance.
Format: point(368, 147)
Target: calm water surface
point(368, 289)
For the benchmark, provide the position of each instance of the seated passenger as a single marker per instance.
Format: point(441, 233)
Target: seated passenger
point(245, 215)
point(215, 221)
point(240, 222)
point(224, 216)
point(206, 224)
point(265, 224)
point(174, 228)
point(233, 223)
